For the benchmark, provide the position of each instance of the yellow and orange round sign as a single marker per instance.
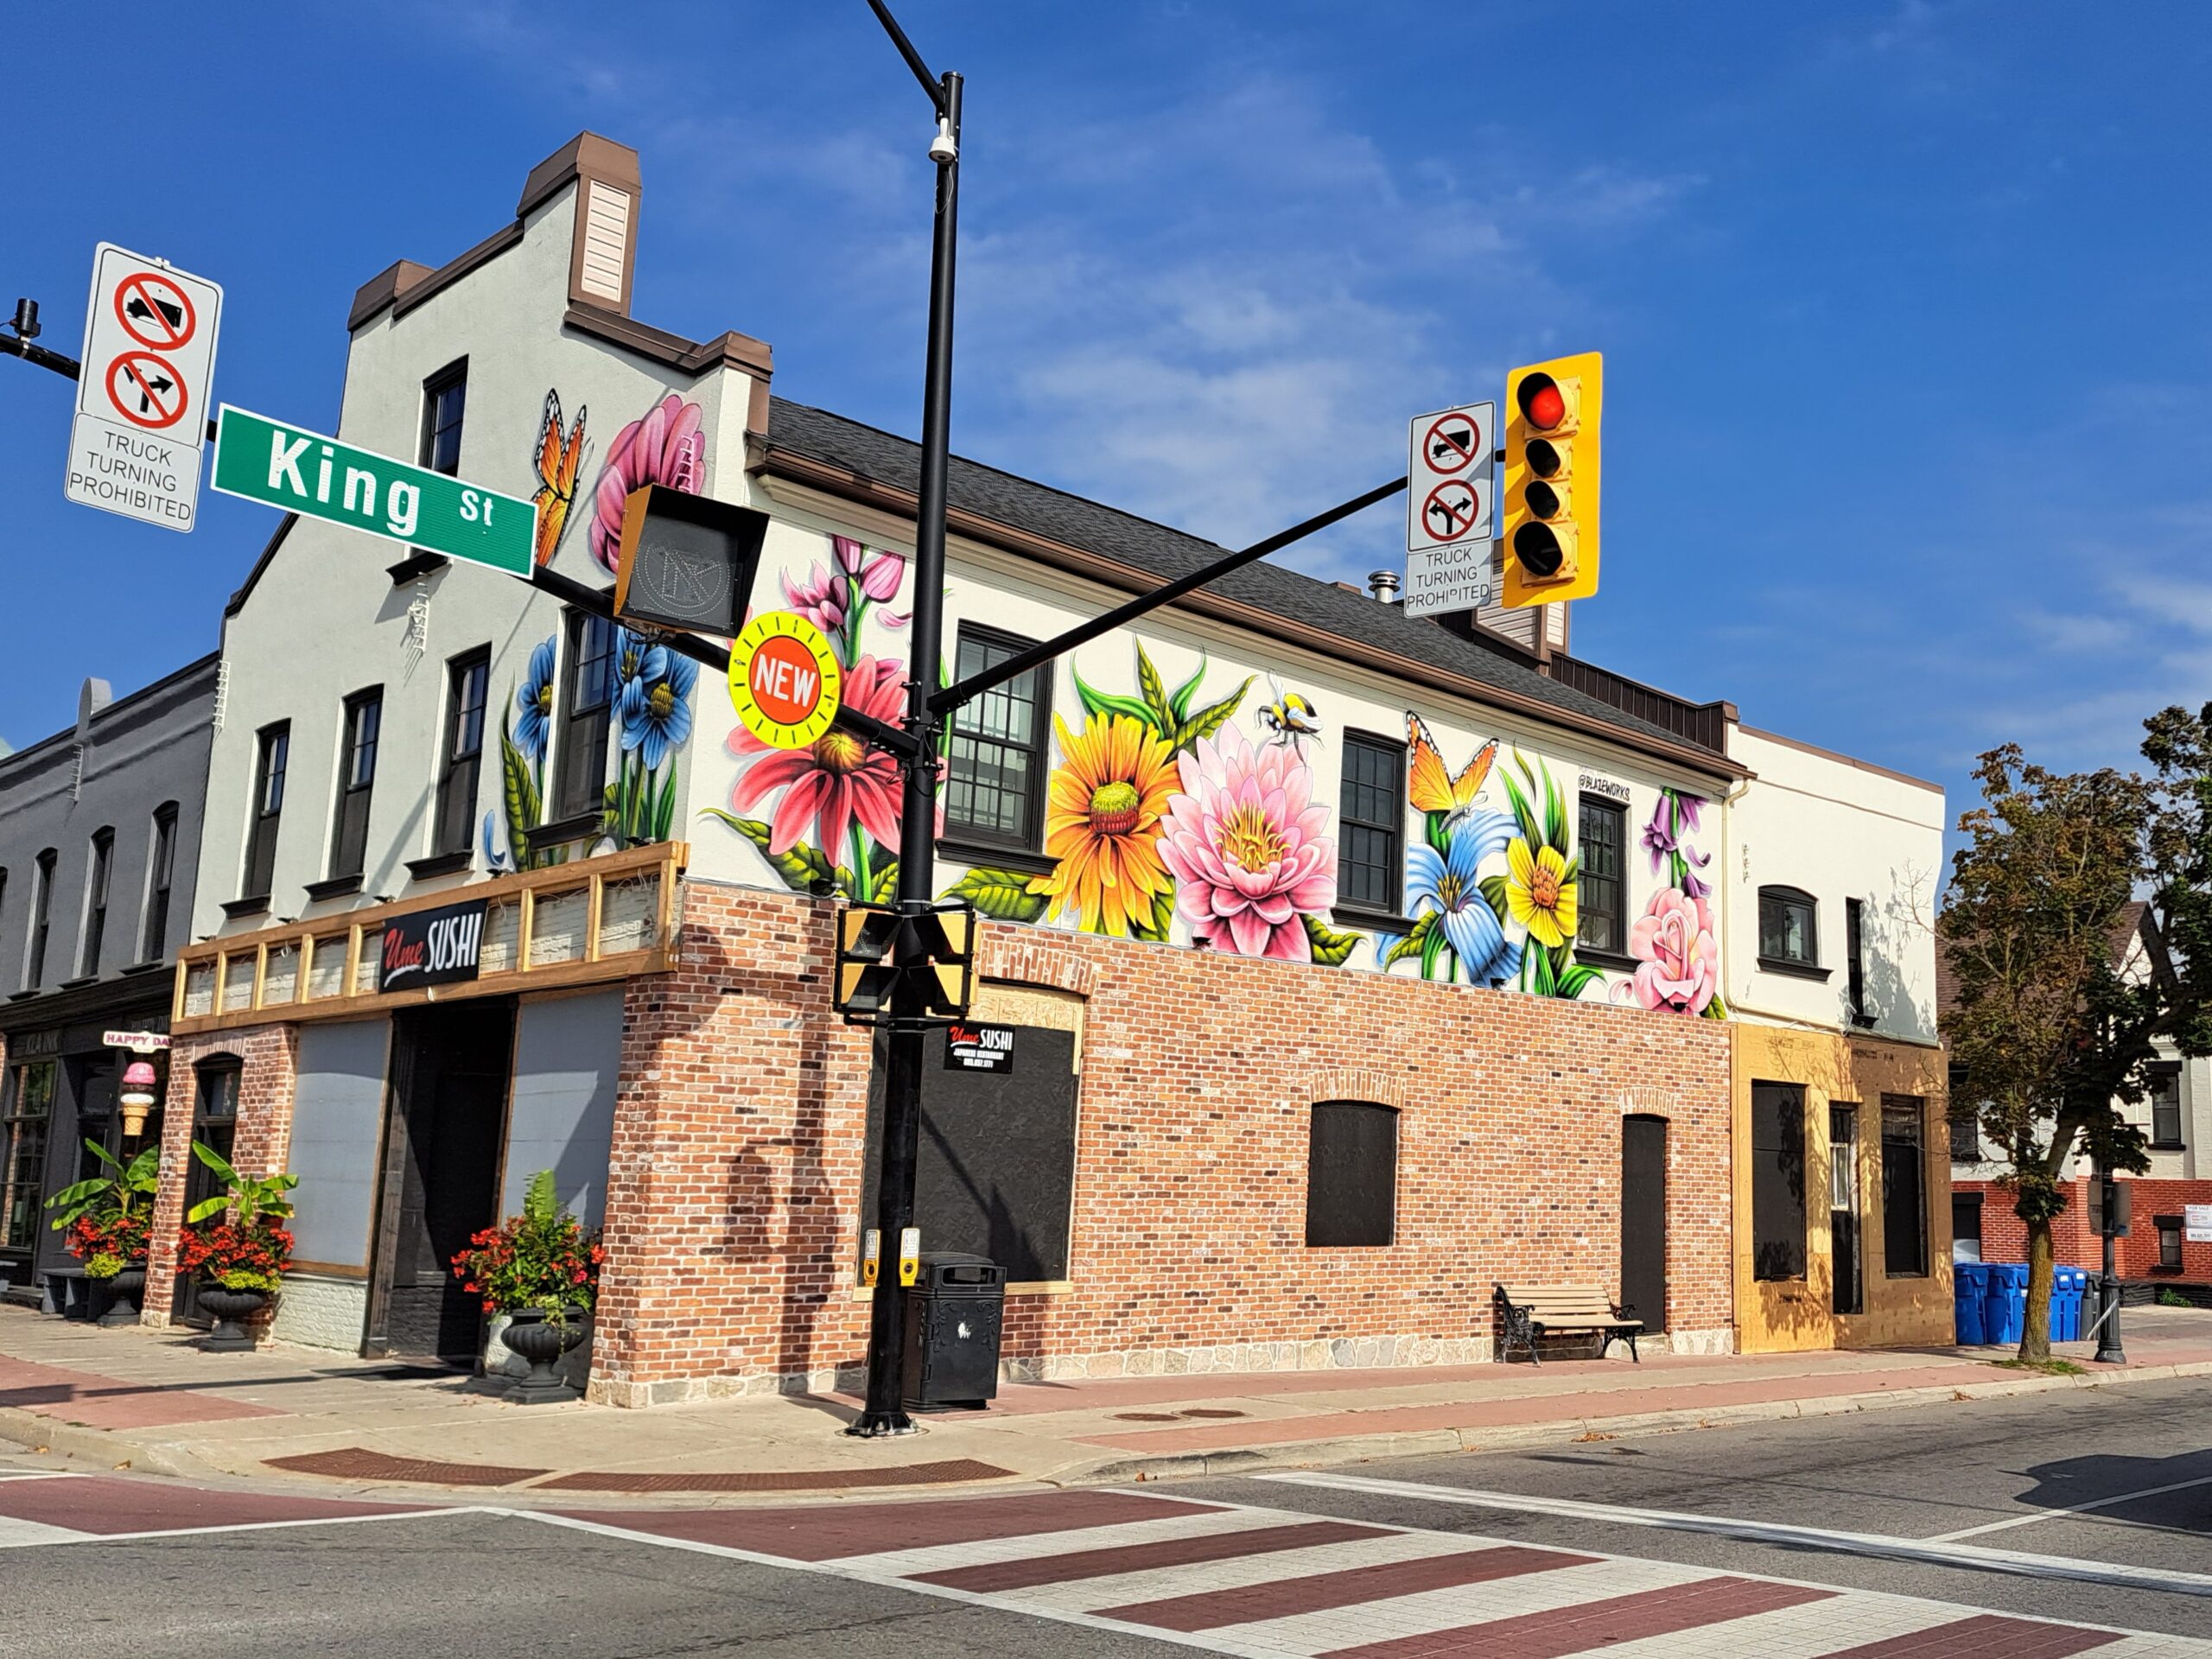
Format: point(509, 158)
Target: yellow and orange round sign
point(783, 680)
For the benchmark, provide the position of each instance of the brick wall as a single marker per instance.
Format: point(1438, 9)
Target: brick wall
point(2004, 1236)
point(260, 1146)
point(734, 1192)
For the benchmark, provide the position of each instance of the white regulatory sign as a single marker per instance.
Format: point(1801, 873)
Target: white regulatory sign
point(1448, 477)
point(1462, 577)
point(143, 403)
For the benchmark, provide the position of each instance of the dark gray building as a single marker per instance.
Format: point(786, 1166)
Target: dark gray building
point(100, 840)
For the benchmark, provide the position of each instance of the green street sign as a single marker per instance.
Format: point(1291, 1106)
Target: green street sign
point(303, 472)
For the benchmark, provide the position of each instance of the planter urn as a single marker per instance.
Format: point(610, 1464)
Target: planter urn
point(542, 1342)
point(122, 1290)
point(227, 1307)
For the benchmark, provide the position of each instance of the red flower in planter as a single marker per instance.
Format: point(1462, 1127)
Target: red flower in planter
point(543, 1258)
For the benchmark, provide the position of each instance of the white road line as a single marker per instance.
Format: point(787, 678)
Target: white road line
point(14, 1534)
point(71, 1537)
point(2071, 1509)
point(1931, 1552)
point(41, 1474)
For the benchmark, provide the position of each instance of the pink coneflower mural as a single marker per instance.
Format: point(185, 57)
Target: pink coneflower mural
point(666, 446)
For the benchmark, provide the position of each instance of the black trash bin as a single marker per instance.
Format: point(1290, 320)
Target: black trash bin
point(954, 1312)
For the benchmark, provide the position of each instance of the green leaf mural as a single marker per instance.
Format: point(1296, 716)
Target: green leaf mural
point(803, 868)
point(1330, 948)
point(1211, 718)
point(1415, 942)
point(1001, 894)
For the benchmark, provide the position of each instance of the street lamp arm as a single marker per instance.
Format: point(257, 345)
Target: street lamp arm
point(930, 82)
point(953, 696)
point(10, 347)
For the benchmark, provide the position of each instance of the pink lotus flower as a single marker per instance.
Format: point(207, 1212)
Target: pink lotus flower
point(1248, 848)
point(823, 598)
point(882, 577)
point(836, 780)
point(666, 447)
point(1679, 964)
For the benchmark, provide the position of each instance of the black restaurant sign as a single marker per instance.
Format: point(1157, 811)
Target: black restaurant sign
point(433, 947)
point(979, 1048)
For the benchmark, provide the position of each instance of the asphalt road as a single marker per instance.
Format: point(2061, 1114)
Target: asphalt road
point(1865, 1484)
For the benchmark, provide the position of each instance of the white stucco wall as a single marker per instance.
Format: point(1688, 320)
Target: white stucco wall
point(1835, 829)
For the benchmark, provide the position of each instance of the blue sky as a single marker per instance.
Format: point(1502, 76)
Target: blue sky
point(1904, 305)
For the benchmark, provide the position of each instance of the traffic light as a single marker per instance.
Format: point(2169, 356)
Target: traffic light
point(1548, 509)
point(879, 947)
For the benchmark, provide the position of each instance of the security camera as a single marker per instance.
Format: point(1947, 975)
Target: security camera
point(943, 149)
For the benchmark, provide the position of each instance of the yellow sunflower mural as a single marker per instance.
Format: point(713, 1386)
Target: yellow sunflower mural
point(1540, 892)
point(1103, 812)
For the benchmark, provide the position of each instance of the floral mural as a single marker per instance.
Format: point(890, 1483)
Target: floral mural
point(666, 445)
point(1250, 850)
point(1677, 959)
point(832, 809)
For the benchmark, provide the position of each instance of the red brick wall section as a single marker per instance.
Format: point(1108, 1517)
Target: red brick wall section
point(2004, 1236)
point(733, 1190)
point(261, 1146)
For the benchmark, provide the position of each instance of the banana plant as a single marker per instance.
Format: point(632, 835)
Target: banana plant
point(257, 1198)
point(115, 1194)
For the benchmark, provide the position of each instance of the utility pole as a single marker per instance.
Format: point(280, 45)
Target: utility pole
point(885, 1412)
point(2109, 1352)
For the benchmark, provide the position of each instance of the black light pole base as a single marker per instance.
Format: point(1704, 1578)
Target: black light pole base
point(880, 1425)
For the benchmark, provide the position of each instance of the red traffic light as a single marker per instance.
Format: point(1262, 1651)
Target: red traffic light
point(1542, 404)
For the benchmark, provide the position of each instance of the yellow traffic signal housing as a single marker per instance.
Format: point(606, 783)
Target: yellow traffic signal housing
point(1549, 499)
point(938, 949)
point(868, 940)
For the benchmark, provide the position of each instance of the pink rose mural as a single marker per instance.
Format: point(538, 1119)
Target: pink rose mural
point(1249, 849)
point(1678, 963)
point(666, 446)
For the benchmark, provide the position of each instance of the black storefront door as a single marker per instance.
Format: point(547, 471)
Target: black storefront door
point(450, 1080)
point(1644, 1221)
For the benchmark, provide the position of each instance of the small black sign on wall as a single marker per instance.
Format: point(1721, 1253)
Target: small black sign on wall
point(979, 1048)
point(433, 947)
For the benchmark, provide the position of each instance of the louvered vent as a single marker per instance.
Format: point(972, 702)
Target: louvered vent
point(606, 241)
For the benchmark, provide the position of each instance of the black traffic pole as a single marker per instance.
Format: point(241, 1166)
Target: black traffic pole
point(884, 1413)
point(2109, 1352)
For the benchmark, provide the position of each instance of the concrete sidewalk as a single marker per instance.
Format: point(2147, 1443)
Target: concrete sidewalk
point(150, 1399)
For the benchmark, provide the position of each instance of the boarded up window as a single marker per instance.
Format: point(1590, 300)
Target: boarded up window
point(1351, 1174)
point(337, 1124)
point(1778, 1180)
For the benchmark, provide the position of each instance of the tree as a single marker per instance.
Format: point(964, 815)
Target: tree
point(2047, 1035)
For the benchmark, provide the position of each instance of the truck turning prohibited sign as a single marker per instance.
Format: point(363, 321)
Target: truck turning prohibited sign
point(142, 394)
point(1449, 511)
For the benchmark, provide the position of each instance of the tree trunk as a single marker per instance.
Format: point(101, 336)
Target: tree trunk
point(2035, 1329)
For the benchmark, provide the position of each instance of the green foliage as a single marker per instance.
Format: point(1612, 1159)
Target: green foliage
point(1575, 978)
point(2169, 1297)
point(519, 795)
point(1493, 889)
point(885, 887)
point(1003, 895)
point(1330, 948)
point(1415, 944)
point(1164, 713)
point(1209, 719)
point(541, 1201)
point(256, 1200)
point(112, 1197)
point(1163, 918)
point(803, 867)
point(1108, 703)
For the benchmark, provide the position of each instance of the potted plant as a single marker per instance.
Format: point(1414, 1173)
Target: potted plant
point(108, 1226)
point(241, 1259)
point(541, 1269)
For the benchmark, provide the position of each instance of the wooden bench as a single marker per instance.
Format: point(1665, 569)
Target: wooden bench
point(1528, 1312)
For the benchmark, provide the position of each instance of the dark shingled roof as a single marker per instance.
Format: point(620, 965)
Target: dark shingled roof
point(1070, 519)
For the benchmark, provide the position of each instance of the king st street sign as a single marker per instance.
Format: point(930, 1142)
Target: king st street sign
point(305, 472)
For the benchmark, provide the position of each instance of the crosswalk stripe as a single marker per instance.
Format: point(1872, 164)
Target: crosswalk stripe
point(1344, 1586)
point(14, 1534)
point(1697, 1605)
point(1188, 1551)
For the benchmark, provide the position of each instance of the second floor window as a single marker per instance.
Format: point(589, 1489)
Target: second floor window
point(1604, 835)
point(160, 872)
point(1854, 953)
point(1786, 935)
point(1370, 847)
point(444, 395)
point(994, 776)
point(102, 867)
point(467, 680)
point(268, 809)
point(41, 910)
point(2166, 1106)
point(357, 778)
point(585, 714)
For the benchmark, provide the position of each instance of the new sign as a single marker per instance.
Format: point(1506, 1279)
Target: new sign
point(142, 394)
point(303, 472)
point(433, 947)
point(1449, 510)
point(783, 680)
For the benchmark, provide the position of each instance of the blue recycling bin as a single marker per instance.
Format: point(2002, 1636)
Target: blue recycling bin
point(2068, 1287)
point(2005, 1310)
point(1969, 1288)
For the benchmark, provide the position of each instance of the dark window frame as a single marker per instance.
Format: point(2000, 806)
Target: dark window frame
point(265, 812)
point(1896, 1109)
point(461, 770)
point(1778, 961)
point(1776, 1259)
point(356, 782)
point(970, 829)
point(437, 425)
point(45, 870)
point(160, 881)
point(2169, 1243)
point(2165, 1106)
point(99, 881)
point(1591, 885)
point(1333, 1175)
point(21, 1176)
point(1854, 950)
point(1353, 818)
point(586, 728)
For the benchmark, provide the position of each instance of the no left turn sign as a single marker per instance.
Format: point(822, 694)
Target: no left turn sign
point(147, 391)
